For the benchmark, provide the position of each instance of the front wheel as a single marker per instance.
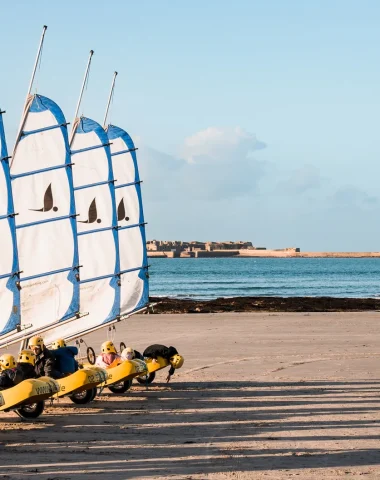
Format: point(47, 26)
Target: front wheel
point(120, 387)
point(91, 357)
point(145, 379)
point(85, 396)
point(33, 410)
point(95, 392)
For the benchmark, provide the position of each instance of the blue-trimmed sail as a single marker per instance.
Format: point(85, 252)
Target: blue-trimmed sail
point(134, 293)
point(97, 230)
point(45, 223)
point(9, 293)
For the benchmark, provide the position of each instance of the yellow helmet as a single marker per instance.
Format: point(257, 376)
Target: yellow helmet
point(36, 342)
point(26, 356)
point(7, 361)
point(176, 361)
point(108, 347)
point(58, 344)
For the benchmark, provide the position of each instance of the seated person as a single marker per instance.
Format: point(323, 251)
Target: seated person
point(7, 361)
point(130, 354)
point(64, 357)
point(108, 356)
point(45, 361)
point(168, 353)
point(22, 371)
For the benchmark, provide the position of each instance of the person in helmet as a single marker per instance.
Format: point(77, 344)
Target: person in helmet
point(130, 354)
point(109, 356)
point(168, 353)
point(22, 371)
point(45, 361)
point(7, 361)
point(64, 357)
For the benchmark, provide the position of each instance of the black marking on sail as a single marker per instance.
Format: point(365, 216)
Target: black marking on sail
point(48, 202)
point(121, 212)
point(92, 214)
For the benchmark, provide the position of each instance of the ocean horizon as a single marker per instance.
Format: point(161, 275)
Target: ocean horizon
point(209, 278)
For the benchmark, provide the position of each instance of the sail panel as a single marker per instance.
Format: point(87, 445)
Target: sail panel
point(41, 253)
point(41, 142)
point(128, 207)
point(41, 197)
point(9, 293)
point(94, 208)
point(88, 153)
point(133, 256)
point(97, 256)
point(134, 293)
point(45, 225)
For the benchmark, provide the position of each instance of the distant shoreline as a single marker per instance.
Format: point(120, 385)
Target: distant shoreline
point(263, 254)
point(265, 304)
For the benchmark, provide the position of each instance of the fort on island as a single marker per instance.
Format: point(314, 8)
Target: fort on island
point(196, 249)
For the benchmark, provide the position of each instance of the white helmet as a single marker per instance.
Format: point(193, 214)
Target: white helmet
point(128, 353)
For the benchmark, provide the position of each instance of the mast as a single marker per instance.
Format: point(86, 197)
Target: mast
point(109, 99)
point(36, 62)
point(32, 79)
point(83, 85)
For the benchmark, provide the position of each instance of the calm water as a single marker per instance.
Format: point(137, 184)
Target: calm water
point(227, 277)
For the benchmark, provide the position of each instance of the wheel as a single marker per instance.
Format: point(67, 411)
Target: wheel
point(145, 379)
point(33, 410)
point(85, 396)
point(94, 394)
point(122, 346)
point(120, 387)
point(91, 357)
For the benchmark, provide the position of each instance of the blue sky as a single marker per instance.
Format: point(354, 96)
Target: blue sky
point(256, 120)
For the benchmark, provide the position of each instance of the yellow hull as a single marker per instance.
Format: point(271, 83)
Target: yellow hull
point(83, 379)
point(125, 370)
point(154, 367)
point(27, 392)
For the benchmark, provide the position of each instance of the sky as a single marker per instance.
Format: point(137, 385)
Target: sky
point(255, 120)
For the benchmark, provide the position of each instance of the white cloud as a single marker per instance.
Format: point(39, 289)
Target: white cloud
point(213, 164)
point(219, 145)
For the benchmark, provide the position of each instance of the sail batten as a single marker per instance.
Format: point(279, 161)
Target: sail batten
point(42, 170)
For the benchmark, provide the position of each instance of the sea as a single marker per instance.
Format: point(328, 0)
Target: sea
point(209, 278)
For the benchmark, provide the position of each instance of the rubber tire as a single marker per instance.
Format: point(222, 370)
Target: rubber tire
point(35, 413)
point(148, 379)
point(94, 395)
point(121, 387)
point(85, 397)
point(122, 346)
point(91, 357)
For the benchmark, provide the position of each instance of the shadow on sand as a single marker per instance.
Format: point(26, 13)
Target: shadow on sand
point(187, 429)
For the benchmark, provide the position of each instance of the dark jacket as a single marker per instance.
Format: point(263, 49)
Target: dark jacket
point(45, 364)
point(154, 351)
point(138, 355)
point(65, 359)
point(13, 376)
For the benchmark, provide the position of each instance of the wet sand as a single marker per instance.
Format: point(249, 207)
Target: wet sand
point(261, 395)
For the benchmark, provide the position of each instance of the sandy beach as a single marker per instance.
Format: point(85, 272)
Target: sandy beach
point(261, 395)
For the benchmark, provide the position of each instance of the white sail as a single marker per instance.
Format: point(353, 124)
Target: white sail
point(9, 292)
point(134, 293)
point(97, 231)
point(45, 222)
